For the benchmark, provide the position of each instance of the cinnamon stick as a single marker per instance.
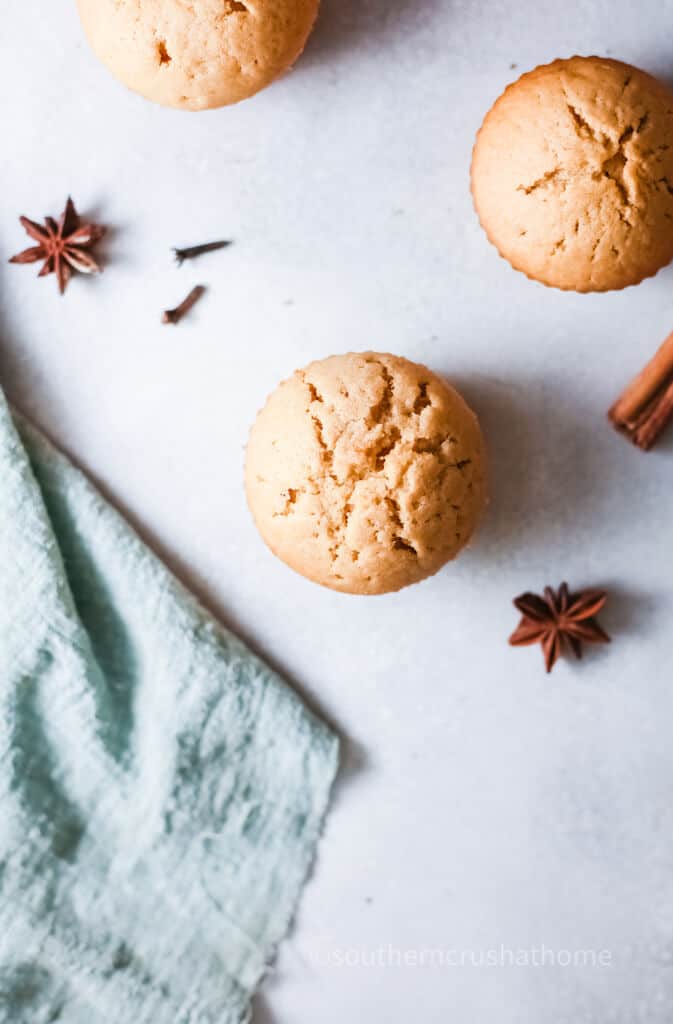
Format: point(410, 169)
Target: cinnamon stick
point(646, 406)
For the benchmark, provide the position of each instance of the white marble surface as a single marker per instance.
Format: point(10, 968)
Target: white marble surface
point(482, 804)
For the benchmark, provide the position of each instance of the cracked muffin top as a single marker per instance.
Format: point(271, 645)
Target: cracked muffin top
point(572, 174)
point(365, 472)
point(195, 54)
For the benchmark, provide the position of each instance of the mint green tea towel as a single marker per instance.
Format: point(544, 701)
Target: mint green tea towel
point(161, 790)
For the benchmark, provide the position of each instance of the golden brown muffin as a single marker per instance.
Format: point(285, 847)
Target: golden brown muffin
point(205, 53)
point(572, 174)
point(365, 472)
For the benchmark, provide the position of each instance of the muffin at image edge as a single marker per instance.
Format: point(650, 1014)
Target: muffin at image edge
point(198, 55)
point(572, 174)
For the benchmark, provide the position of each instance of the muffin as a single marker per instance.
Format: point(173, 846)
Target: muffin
point(572, 174)
point(365, 472)
point(207, 53)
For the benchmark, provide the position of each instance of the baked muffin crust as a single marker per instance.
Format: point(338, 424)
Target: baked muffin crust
point(572, 174)
point(365, 472)
point(195, 54)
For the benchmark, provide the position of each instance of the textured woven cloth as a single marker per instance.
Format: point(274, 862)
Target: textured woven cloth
point(161, 790)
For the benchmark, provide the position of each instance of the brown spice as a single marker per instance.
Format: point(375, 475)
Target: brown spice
point(559, 619)
point(646, 406)
point(62, 245)
point(174, 316)
point(198, 250)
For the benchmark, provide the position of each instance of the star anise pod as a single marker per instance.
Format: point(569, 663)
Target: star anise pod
point(559, 619)
point(62, 245)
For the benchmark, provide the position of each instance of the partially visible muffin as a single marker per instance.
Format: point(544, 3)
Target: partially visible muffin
point(572, 174)
point(365, 472)
point(206, 53)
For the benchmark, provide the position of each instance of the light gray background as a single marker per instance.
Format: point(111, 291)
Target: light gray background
point(481, 803)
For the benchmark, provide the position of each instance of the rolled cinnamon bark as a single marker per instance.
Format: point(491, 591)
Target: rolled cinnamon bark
point(646, 406)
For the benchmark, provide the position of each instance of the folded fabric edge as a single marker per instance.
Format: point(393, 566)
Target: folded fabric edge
point(324, 754)
point(109, 984)
point(314, 834)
